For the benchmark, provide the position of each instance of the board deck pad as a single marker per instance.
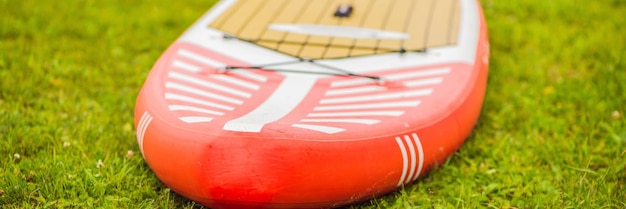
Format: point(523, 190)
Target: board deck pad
point(429, 23)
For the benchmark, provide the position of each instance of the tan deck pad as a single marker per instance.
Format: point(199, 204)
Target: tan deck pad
point(430, 23)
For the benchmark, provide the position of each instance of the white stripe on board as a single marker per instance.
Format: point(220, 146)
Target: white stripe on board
point(182, 98)
point(249, 75)
point(201, 59)
point(413, 103)
point(142, 120)
point(351, 82)
point(420, 151)
point(236, 81)
point(195, 119)
point(353, 114)
point(413, 154)
point(417, 74)
point(186, 66)
point(142, 127)
point(193, 109)
point(356, 90)
point(409, 142)
point(339, 31)
point(405, 160)
point(423, 82)
point(342, 120)
point(287, 96)
point(324, 129)
point(190, 79)
point(375, 97)
point(176, 86)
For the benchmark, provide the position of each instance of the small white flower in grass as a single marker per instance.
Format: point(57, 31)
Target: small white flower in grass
point(129, 154)
point(66, 144)
point(615, 114)
point(100, 164)
point(70, 176)
point(17, 156)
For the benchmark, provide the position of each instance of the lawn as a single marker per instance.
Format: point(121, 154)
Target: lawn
point(552, 133)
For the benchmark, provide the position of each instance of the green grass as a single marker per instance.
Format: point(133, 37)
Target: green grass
point(552, 133)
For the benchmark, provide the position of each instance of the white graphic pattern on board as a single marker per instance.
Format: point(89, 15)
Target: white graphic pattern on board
point(358, 101)
point(200, 99)
point(412, 158)
point(142, 126)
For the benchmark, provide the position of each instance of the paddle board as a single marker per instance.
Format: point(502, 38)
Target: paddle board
point(312, 104)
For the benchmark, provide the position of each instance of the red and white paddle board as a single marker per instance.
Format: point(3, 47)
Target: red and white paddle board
point(312, 104)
